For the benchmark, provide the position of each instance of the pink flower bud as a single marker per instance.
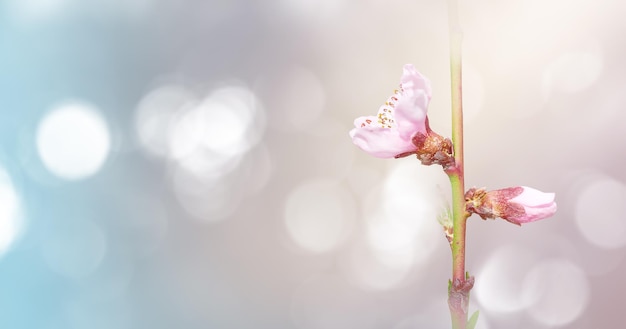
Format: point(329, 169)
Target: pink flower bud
point(517, 205)
point(390, 133)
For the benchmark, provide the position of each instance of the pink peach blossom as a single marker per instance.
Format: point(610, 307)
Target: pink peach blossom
point(391, 131)
point(521, 204)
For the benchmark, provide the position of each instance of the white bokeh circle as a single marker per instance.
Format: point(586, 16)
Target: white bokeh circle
point(10, 213)
point(499, 288)
point(557, 292)
point(73, 141)
point(600, 212)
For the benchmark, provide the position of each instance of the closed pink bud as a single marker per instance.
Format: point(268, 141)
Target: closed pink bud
point(517, 205)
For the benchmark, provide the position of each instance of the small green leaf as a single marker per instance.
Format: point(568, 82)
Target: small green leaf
point(471, 323)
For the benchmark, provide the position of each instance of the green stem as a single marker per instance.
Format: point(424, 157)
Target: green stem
point(458, 291)
point(456, 173)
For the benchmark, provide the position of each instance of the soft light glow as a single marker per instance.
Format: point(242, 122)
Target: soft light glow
point(431, 189)
point(74, 249)
point(156, 112)
point(408, 211)
point(402, 231)
point(187, 133)
point(10, 213)
point(73, 141)
point(557, 292)
point(247, 123)
point(207, 198)
point(499, 288)
point(209, 138)
point(208, 141)
point(572, 72)
point(319, 215)
point(34, 11)
point(600, 212)
point(226, 126)
point(377, 270)
point(387, 231)
point(404, 228)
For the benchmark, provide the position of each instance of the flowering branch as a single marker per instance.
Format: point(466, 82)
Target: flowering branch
point(401, 129)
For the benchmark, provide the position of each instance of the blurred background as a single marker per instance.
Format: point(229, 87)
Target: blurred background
point(186, 164)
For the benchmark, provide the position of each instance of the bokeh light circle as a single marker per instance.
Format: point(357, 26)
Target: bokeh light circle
point(405, 214)
point(557, 292)
point(499, 288)
point(319, 215)
point(600, 210)
point(405, 224)
point(156, 112)
point(208, 138)
point(10, 212)
point(73, 141)
point(401, 229)
point(187, 133)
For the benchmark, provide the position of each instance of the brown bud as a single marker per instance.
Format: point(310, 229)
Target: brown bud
point(432, 148)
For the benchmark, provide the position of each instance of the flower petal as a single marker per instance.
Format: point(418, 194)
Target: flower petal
point(362, 122)
point(536, 213)
point(380, 142)
point(532, 197)
point(410, 118)
point(412, 82)
point(411, 109)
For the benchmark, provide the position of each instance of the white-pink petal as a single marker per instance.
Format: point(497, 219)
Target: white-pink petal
point(380, 142)
point(410, 116)
point(532, 197)
point(391, 132)
point(412, 81)
point(537, 213)
point(362, 122)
